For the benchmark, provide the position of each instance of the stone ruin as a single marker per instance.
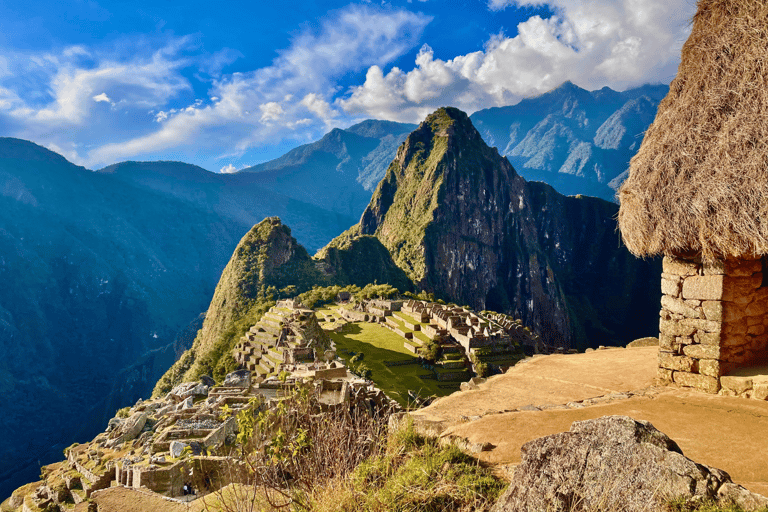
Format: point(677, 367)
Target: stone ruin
point(184, 438)
point(288, 334)
point(713, 331)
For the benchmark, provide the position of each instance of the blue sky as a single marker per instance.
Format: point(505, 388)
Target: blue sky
point(225, 86)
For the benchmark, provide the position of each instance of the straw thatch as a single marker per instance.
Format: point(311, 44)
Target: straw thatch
point(700, 180)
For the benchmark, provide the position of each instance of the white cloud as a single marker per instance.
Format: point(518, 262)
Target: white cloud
point(318, 106)
point(102, 98)
point(615, 43)
point(261, 106)
point(228, 169)
point(166, 95)
point(270, 111)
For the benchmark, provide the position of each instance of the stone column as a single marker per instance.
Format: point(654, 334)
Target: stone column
point(713, 320)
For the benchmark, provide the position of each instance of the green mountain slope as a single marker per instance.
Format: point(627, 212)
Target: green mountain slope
point(461, 223)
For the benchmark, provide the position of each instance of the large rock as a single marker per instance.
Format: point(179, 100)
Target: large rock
point(129, 429)
point(187, 389)
point(613, 463)
point(238, 379)
point(176, 448)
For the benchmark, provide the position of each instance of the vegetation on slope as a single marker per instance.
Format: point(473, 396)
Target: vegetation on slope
point(267, 264)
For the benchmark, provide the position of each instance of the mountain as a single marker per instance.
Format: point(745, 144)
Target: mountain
point(340, 171)
point(458, 219)
point(269, 264)
point(578, 141)
point(102, 273)
point(238, 197)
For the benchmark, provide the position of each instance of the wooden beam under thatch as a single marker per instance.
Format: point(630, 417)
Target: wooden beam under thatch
point(700, 179)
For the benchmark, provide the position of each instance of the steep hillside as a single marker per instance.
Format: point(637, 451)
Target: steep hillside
point(576, 140)
point(461, 223)
point(97, 276)
point(360, 260)
point(339, 171)
point(266, 261)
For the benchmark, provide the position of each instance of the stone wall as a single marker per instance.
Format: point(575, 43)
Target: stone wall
point(713, 320)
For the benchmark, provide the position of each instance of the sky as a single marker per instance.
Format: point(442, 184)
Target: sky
point(232, 84)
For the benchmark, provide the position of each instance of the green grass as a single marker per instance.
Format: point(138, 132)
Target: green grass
point(423, 338)
point(414, 474)
point(379, 344)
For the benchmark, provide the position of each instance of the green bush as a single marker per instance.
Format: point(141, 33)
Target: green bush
point(414, 474)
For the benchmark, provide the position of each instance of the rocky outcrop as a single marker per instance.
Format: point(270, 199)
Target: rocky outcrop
point(462, 224)
point(614, 463)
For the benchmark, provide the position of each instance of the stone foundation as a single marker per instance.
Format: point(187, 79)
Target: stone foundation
point(713, 320)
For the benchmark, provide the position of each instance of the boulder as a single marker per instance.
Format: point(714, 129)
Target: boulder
point(472, 383)
point(187, 389)
point(176, 448)
point(128, 429)
point(207, 381)
point(114, 423)
point(188, 403)
point(614, 463)
point(238, 379)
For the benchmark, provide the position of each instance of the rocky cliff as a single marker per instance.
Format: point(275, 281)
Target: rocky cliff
point(461, 223)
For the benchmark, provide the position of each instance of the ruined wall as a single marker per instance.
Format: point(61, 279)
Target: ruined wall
point(713, 320)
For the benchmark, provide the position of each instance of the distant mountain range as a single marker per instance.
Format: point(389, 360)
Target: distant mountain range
point(578, 141)
point(340, 171)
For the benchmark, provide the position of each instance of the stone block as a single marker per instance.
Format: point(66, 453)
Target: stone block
point(713, 310)
point(760, 391)
point(679, 267)
point(703, 287)
point(665, 315)
point(668, 343)
point(709, 367)
point(756, 308)
point(176, 448)
point(713, 268)
point(700, 382)
point(663, 377)
point(756, 330)
point(674, 305)
point(671, 287)
point(693, 303)
point(755, 320)
point(735, 329)
point(738, 385)
point(707, 338)
point(702, 351)
point(701, 325)
point(677, 363)
point(673, 328)
point(734, 287)
point(733, 312)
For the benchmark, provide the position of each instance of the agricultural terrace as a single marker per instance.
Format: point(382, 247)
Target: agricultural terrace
point(384, 354)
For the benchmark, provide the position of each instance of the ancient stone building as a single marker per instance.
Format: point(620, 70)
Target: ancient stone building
point(697, 193)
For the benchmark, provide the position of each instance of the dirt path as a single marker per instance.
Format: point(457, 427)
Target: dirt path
point(723, 432)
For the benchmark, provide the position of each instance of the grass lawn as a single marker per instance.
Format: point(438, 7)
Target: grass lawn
point(380, 344)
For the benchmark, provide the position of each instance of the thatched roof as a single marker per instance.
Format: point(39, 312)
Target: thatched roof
point(700, 180)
